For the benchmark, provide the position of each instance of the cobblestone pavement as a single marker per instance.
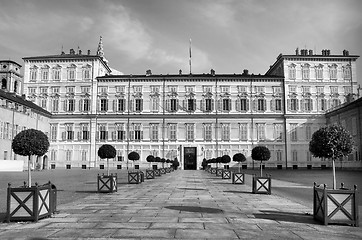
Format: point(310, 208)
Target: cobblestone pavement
point(180, 205)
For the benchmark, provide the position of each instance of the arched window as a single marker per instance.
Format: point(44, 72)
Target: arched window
point(4, 84)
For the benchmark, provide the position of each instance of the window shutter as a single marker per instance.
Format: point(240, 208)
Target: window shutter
point(297, 104)
point(255, 103)
point(113, 135)
point(311, 104)
point(177, 105)
point(247, 104)
point(194, 104)
point(114, 105)
point(151, 104)
point(63, 135)
point(202, 105)
point(302, 102)
point(106, 105)
point(98, 104)
point(97, 135)
point(184, 105)
point(219, 104)
point(131, 135)
point(106, 135)
point(230, 105)
point(238, 104)
point(212, 104)
point(141, 135)
point(130, 105)
point(264, 103)
point(65, 105)
point(72, 135)
point(141, 102)
point(288, 104)
point(79, 136)
point(80, 105)
point(168, 105)
point(272, 105)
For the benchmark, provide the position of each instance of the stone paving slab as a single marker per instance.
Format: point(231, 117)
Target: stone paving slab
point(180, 205)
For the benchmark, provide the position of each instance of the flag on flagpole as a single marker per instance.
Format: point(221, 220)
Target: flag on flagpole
point(190, 55)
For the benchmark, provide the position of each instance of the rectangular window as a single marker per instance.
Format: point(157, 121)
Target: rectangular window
point(138, 105)
point(207, 89)
point(305, 73)
point(120, 89)
point(55, 89)
point(173, 105)
point(53, 132)
point(294, 104)
point(225, 135)
point(53, 155)
point(32, 90)
point(260, 89)
point(70, 89)
point(225, 89)
point(278, 104)
point(347, 73)
point(306, 89)
point(137, 132)
point(33, 74)
point(308, 131)
point(71, 74)
point(319, 73)
point(172, 131)
point(308, 104)
point(243, 131)
point(347, 90)
point(208, 132)
point(295, 156)
point(292, 89)
point(45, 74)
point(279, 155)
point(278, 131)
point(293, 132)
point(68, 155)
point(121, 133)
point(102, 89)
point(334, 89)
point(226, 104)
point(86, 105)
point(103, 132)
point(44, 90)
point(155, 102)
point(320, 90)
point(121, 105)
point(84, 155)
point(86, 73)
point(43, 103)
point(137, 89)
point(208, 105)
point(189, 89)
point(154, 132)
point(70, 105)
point(172, 89)
point(242, 89)
point(155, 89)
point(260, 128)
point(291, 72)
point(277, 90)
point(103, 105)
point(56, 74)
point(191, 104)
point(85, 132)
point(333, 73)
point(261, 104)
point(69, 132)
point(243, 104)
point(190, 132)
point(85, 89)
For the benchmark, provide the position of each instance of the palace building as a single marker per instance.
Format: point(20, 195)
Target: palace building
point(188, 116)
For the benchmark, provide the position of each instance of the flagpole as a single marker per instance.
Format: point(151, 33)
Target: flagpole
point(190, 55)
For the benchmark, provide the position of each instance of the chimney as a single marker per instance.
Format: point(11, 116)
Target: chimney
point(310, 52)
point(180, 72)
point(297, 51)
point(88, 52)
point(148, 72)
point(245, 72)
point(80, 52)
point(212, 71)
point(328, 52)
point(323, 52)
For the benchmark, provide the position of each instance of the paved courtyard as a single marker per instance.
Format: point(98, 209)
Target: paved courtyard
point(181, 205)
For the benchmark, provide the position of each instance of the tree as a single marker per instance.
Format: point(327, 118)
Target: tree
point(107, 151)
point(30, 142)
point(150, 159)
point(133, 156)
point(331, 142)
point(225, 159)
point(239, 158)
point(260, 153)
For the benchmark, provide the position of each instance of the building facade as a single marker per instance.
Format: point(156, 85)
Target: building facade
point(187, 116)
point(18, 114)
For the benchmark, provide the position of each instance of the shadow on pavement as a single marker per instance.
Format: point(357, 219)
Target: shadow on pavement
point(2, 217)
point(230, 191)
point(195, 209)
point(286, 217)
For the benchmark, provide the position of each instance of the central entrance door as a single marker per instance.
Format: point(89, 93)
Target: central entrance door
point(190, 158)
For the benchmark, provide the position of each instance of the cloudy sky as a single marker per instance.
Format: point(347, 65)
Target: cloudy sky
point(227, 35)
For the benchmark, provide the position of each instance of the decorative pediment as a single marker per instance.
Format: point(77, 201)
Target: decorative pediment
point(260, 95)
point(277, 95)
point(306, 94)
point(172, 94)
point(190, 95)
point(137, 95)
point(243, 95)
point(55, 95)
point(72, 65)
point(120, 95)
point(321, 95)
point(207, 95)
point(103, 94)
point(85, 95)
point(43, 95)
point(293, 95)
point(155, 94)
point(69, 95)
point(225, 94)
point(335, 95)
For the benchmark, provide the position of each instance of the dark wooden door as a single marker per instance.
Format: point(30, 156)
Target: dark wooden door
point(190, 158)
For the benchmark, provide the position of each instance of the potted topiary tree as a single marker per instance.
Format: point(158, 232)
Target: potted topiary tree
point(157, 170)
point(168, 168)
point(218, 170)
point(226, 174)
point(239, 177)
point(28, 202)
point(107, 183)
point(150, 173)
point(213, 169)
point(333, 205)
point(261, 184)
point(134, 176)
